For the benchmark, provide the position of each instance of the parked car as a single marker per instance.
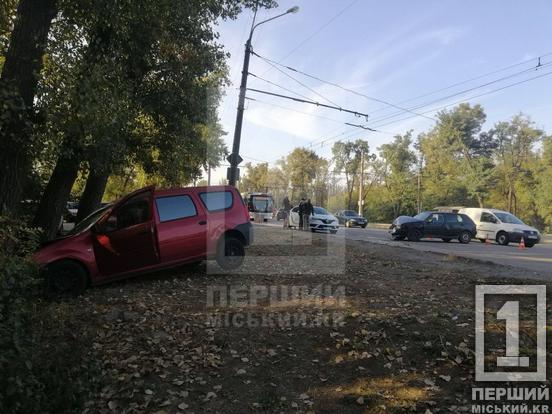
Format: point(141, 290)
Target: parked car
point(280, 214)
point(501, 226)
point(71, 211)
point(445, 226)
point(350, 218)
point(321, 220)
point(148, 230)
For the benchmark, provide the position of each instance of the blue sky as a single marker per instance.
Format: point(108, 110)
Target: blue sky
point(389, 50)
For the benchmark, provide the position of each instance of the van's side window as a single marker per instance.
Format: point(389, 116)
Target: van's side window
point(175, 207)
point(217, 200)
point(487, 218)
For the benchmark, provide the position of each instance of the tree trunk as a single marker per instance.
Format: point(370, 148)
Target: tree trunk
point(510, 197)
point(56, 195)
point(18, 83)
point(93, 192)
point(480, 201)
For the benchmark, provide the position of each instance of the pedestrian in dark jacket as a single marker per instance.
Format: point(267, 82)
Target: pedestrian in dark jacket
point(308, 210)
point(301, 211)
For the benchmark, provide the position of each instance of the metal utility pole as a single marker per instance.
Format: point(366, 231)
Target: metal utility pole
point(361, 184)
point(420, 184)
point(234, 158)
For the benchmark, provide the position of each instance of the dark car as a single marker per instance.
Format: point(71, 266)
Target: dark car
point(432, 224)
point(281, 214)
point(350, 218)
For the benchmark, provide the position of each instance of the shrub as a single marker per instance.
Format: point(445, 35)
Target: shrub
point(42, 368)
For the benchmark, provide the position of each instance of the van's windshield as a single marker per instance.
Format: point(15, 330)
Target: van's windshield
point(508, 218)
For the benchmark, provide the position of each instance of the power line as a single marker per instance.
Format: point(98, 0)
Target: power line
point(473, 97)
point(296, 80)
point(394, 115)
point(377, 125)
point(484, 75)
point(272, 63)
point(279, 86)
point(294, 110)
point(338, 108)
point(326, 24)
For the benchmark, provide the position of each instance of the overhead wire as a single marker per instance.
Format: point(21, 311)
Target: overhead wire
point(474, 97)
point(371, 98)
point(316, 32)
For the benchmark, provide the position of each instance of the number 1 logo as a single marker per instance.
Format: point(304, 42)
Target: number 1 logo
point(509, 312)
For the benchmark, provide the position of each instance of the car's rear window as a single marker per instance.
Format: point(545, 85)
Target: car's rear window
point(217, 200)
point(175, 207)
point(453, 218)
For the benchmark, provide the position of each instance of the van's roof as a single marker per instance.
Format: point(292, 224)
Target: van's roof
point(492, 210)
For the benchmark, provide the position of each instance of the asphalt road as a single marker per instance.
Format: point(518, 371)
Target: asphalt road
point(526, 263)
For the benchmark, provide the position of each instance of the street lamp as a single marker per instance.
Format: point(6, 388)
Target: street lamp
point(234, 158)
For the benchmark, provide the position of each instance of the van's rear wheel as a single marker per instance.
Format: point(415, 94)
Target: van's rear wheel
point(66, 277)
point(230, 253)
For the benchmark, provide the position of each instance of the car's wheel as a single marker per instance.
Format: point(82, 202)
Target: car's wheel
point(398, 238)
point(230, 253)
point(529, 244)
point(414, 235)
point(447, 240)
point(66, 277)
point(502, 238)
point(363, 226)
point(465, 237)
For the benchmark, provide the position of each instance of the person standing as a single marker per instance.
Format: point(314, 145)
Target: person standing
point(308, 210)
point(287, 208)
point(301, 211)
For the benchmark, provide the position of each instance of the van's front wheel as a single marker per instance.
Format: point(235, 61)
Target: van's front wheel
point(502, 238)
point(230, 253)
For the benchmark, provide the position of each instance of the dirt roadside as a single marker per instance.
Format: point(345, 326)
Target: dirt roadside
point(385, 330)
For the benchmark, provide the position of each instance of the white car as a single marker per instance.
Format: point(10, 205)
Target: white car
point(321, 220)
point(501, 226)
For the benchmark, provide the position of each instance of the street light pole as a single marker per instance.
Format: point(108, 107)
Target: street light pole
point(234, 158)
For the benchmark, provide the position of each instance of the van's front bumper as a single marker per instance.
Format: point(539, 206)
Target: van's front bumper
point(528, 236)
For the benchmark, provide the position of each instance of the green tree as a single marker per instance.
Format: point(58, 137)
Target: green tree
point(302, 167)
point(515, 144)
point(143, 88)
point(21, 66)
point(255, 178)
point(458, 156)
point(397, 172)
point(543, 188)
point(346, 160)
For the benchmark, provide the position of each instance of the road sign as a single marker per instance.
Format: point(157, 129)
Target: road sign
point(234, 159)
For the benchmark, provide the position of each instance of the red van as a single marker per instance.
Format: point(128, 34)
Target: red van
point(148, 230)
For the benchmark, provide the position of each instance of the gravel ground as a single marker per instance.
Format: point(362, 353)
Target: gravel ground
point(311, 324)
